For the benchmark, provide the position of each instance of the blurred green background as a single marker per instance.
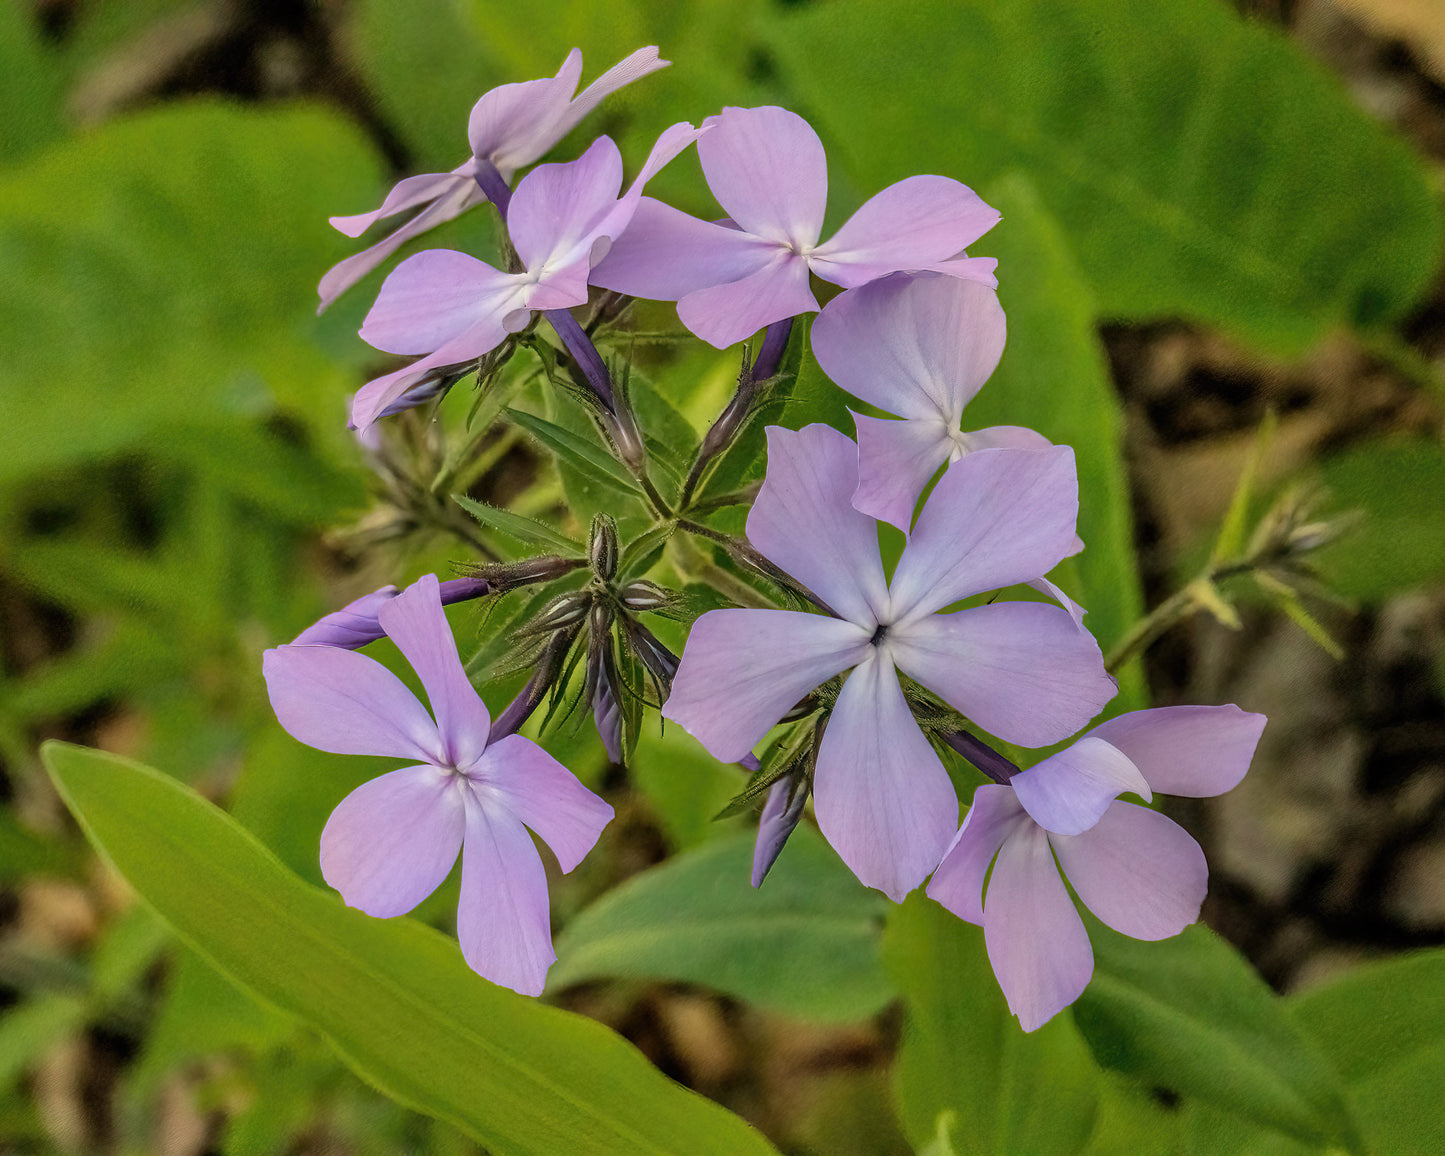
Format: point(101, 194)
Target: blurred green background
point(1217, 212)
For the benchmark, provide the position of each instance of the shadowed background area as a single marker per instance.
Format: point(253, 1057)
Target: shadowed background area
point(1215, 217)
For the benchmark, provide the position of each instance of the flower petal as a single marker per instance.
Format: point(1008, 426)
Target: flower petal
point(1068, 792)
point(995, 518)
point(1021, 670)
point(632, 67)
point(1187, 750)
point(355, 624)
point(767, 169)
point(544, 795)
point(1049, 590)
point(459, 194)
point(407, 194)
point(343, 702)
point(958, 882)
point(919, 346)
point(431, 298)
point(556, 205)
point(1137, 870)
point(723, 315)
point(882, 797)
point(909, 225)
point(664, 254)
point(1005, 437)
point(504, 920)
point(514, 124)
point(803, 521)
point(742, 670)
point(415, 621)
point(1036, 941)
point(980, 269)
point(393, 840)
point(895, 461)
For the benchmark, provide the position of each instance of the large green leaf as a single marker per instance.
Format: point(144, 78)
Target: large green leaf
point(805, 943)
point(163, 267)
point(1053, 378)
point(1383, 1028)
point(962, 1052)
point(1400, 542)
point(1189, 1015)
point(1200, 165)
point(394, 997)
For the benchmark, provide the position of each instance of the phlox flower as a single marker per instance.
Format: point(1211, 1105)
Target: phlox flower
point(510, 126)
point(767, 170)
point(453, 307)
point(920, 346)
point(1021, 670)
point(392, 841)
point(1138, 871)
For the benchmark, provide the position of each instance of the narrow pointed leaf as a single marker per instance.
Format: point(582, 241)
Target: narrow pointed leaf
point(518, 526)
point(576, 451)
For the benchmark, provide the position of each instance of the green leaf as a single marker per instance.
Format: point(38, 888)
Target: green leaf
point(1188, 1014)
point(523, 529)
point(587, 457)
point(1199, 164)
point(182, 279)
point(805, 943)
point(963, 1053)
point(1398, 544)
point(30, 88)
point(393, 997)
point(685, 785)
point(1382, 1026)
point(1054, 378)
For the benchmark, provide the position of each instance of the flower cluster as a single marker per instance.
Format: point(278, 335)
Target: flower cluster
point(837, 674)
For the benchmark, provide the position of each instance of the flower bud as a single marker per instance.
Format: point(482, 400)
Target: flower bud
point(602, 551)
point(645, 596)
point(563, 611)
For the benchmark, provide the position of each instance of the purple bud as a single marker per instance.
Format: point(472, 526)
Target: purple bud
point(786, 800)
point(982, 756)
point(357, 623)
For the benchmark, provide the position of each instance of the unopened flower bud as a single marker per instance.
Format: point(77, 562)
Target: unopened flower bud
point(602, 552)
point(563, 611)
point(645, 596)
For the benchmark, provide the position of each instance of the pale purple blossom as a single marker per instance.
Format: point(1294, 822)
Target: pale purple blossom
point(920, 346)
point(510, 126)
point(1139, 872)
point(1023, 671)
point(392, 841)
point(451, 307)
point(358, 623)
point(767, 170)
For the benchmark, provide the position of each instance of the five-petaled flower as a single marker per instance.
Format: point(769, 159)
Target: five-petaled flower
point(767, 170)
point(1136, 870)
point(510, 126)
point(392, 841)
point(453, 307)
point(1021, 670)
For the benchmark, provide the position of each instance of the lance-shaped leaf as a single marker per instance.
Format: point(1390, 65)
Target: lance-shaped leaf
point(392, 996)
point(518, 526)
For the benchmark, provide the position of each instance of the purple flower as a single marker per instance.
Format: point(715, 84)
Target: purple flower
point(1021, 670)
point(452, 307)
point(358, 623)
point(766, 168)
point(920, 346)
point(393, 840)
point(510, 126)
point(1135, 869)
